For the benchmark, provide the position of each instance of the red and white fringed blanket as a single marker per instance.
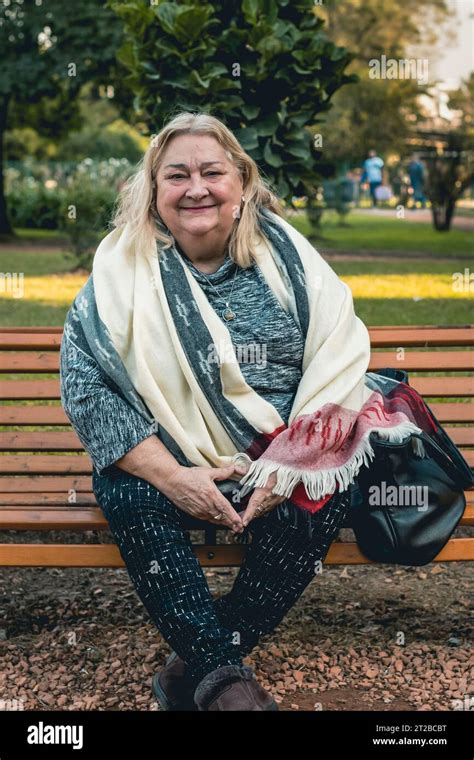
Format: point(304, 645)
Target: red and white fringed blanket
point(322, 451)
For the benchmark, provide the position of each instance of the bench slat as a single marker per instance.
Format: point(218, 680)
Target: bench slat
point(428, 336)
point(13, 390)
point(33, 415)
point(43, 361)
point(29, 390)
point(32, 361)
point(33, 329)
point(45, 484)
point(54, 518)
point(14, 464)
point(55, 415)
point(452, 412)
point(48, 517)
point(48, 338)
point(462, 436)
point(34, 341)
point(44, 441)
point(69, 441)
point(448, 387)
point(46, 499)
point(108, 555)
point(419, 361)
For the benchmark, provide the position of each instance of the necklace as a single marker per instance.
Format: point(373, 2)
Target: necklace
point(228, 313)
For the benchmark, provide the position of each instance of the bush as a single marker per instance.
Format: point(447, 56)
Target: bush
point(33, 205)
point(339, 195)
point(101, 144)
point(76, 198)
point(85, 214)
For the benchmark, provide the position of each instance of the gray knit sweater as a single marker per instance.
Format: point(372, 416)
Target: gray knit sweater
point(267, 342)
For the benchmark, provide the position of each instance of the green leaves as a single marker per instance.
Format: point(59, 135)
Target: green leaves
point(253, 9)
point(39, 41)
point(267, 126)
point(298, 149)
point(264, 67)
point(250, 112)
point(272, 158)
point(247, 137)
point(167, 13)
point(186, 23)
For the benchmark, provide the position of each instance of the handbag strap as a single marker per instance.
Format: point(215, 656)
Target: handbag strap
point(446, 453)
point(453, 463)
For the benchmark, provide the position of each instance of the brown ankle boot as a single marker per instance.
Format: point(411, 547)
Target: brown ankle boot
point(173, 687)
point(232, 687)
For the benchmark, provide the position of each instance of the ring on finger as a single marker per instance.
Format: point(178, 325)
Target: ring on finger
point(219, 516)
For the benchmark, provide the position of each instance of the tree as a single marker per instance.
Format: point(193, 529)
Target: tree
point(463, 101)
point(49, 50)
point(265, 67)
point(450, 172)
point(379, 113)
point(449, 156)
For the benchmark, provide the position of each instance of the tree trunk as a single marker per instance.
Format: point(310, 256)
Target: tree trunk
point(5, 227)
point(443, 214)
point(314, 213)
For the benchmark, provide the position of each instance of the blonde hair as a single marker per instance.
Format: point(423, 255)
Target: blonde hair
point(136, 204)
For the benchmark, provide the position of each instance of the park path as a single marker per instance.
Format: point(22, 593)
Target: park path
point(463, 223)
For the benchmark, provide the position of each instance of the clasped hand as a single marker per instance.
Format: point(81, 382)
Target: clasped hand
point(262, 501)
point(193, 490)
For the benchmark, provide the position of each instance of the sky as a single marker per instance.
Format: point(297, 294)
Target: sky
point(455, 60)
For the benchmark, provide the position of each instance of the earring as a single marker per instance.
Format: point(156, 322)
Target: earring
point(243, 198)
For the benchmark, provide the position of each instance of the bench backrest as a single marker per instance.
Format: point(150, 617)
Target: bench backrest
point(44, 469)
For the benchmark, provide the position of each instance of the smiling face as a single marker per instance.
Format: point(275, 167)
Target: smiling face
point(198, 191)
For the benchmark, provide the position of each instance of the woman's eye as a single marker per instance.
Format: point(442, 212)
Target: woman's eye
point(180, 176)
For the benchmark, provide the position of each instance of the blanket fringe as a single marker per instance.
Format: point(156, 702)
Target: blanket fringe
point(322, 482)
point(419, 448)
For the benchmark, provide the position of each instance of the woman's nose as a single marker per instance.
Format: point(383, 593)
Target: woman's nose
point(197, 188)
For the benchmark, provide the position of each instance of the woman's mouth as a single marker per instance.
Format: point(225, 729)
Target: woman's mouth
point(197, 209)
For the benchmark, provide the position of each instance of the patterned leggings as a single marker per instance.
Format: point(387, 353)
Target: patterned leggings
point(285, 554)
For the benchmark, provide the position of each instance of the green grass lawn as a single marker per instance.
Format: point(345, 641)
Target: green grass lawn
point(380, 234)
point(406, 292)
point(413, 291)
point(40, 236)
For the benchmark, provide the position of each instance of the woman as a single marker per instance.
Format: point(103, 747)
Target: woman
point(200, 273)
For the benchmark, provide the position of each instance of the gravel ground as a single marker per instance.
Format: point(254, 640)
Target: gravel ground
point(360, 638)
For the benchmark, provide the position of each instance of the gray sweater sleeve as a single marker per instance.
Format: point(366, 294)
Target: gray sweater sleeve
point(107, 426)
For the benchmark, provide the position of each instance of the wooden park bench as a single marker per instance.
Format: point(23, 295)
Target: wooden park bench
point(45, 475)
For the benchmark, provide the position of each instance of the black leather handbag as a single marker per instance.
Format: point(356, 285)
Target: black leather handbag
point(405, 508)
